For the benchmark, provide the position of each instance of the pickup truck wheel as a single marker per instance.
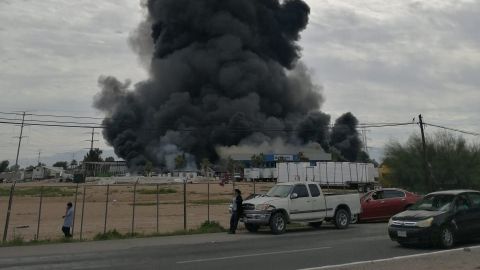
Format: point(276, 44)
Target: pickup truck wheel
point(342, 219)
point(354, 219)
point(278, 223)
point(252, 227)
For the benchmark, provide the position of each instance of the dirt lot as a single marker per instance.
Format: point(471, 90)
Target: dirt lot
point(26, 202)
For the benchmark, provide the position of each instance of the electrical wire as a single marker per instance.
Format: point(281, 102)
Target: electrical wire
point(53, 115)
point(50, 121)
point(453, 129)
point(90, 125)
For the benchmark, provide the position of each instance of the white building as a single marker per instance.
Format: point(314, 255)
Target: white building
point(47, 172)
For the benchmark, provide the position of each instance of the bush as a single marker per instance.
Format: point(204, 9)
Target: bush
point(210, 227)
point(453, 163)
point(109, 235)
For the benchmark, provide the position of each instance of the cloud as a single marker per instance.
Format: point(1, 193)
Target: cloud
point(391, 60)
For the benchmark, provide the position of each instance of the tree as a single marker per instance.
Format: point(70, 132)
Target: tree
point(258, 160)
point(453, 163)
point(110, 159)
point(233, 165)
point(62, 164)
point(180, 162)
point(148, 168)
point(205, 164)
point(94, 155)
point(4, 165)
point(73, 163)
point(14, 168)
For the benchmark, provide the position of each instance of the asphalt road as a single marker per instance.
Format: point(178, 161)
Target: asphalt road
point(297, 249)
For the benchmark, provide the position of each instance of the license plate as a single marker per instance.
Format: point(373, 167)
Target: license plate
point(402, 233)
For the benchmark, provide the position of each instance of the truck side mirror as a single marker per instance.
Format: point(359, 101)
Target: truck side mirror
point(294, 196)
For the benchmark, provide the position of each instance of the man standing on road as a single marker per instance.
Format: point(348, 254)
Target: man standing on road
point(236, 211)
point(68, 220)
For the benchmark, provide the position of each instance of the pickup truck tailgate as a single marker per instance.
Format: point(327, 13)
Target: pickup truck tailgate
point(352, 200)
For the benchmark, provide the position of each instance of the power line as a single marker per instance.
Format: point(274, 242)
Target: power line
point(453, 129)
point(55, 116)
point(380, 125)
point(68, 116)
point(51, 121)
point(50, 125)
point(160, 128)
point(90, 125)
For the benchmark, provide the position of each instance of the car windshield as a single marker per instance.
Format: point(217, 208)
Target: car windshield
point(436, 202)
point(279, 191)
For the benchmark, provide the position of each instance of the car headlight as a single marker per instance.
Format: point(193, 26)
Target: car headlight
point(264, 207)
point(390, 221)
point(425, 223)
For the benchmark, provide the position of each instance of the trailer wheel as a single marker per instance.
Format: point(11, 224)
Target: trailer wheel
point(342, 218)
point(278, 223)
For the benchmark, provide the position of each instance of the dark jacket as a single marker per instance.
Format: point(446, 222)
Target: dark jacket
point(239, 202)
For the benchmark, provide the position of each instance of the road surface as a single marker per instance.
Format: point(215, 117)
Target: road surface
point(297, 249)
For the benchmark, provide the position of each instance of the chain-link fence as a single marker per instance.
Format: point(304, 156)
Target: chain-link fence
point(36, 211)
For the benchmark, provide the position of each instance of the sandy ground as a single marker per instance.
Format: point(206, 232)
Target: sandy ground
point(25, 209)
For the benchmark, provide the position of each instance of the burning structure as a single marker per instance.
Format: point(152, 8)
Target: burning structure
point(222, 73)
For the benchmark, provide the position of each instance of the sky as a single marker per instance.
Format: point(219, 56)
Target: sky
point(384, 61)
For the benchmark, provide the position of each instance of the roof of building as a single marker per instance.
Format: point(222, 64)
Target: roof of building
point(313, 155)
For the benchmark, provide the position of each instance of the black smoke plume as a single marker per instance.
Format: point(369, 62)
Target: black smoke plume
point(345, 137)
point(222, 73)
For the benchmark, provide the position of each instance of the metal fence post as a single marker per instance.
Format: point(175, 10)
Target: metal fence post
point(184, 205)
point(133, 207)
point(106, 211)
point(157, 204)
point(83, 210)
point(75, 209)
point(208, 202)
point(39, 213)
point(9, 209)
point(254, 188)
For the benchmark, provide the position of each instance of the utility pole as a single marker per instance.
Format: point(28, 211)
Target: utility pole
point(12, 188)
point(39, 154)
point(73, 158)
point(92, 140)
point(425, 162)
point(20, 141)
point(365, 139)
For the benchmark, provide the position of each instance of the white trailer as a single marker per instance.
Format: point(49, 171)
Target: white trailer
point(253, 174)
point(342, 174)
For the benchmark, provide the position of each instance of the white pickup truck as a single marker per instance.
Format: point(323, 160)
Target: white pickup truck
point(299, 202)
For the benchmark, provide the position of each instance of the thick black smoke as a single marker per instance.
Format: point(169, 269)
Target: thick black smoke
point(345, 137)
point(222, 72)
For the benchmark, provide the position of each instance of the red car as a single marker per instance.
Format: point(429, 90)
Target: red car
point(380, 205)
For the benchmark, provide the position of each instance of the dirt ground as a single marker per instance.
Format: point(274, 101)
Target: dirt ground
point(26, 208)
